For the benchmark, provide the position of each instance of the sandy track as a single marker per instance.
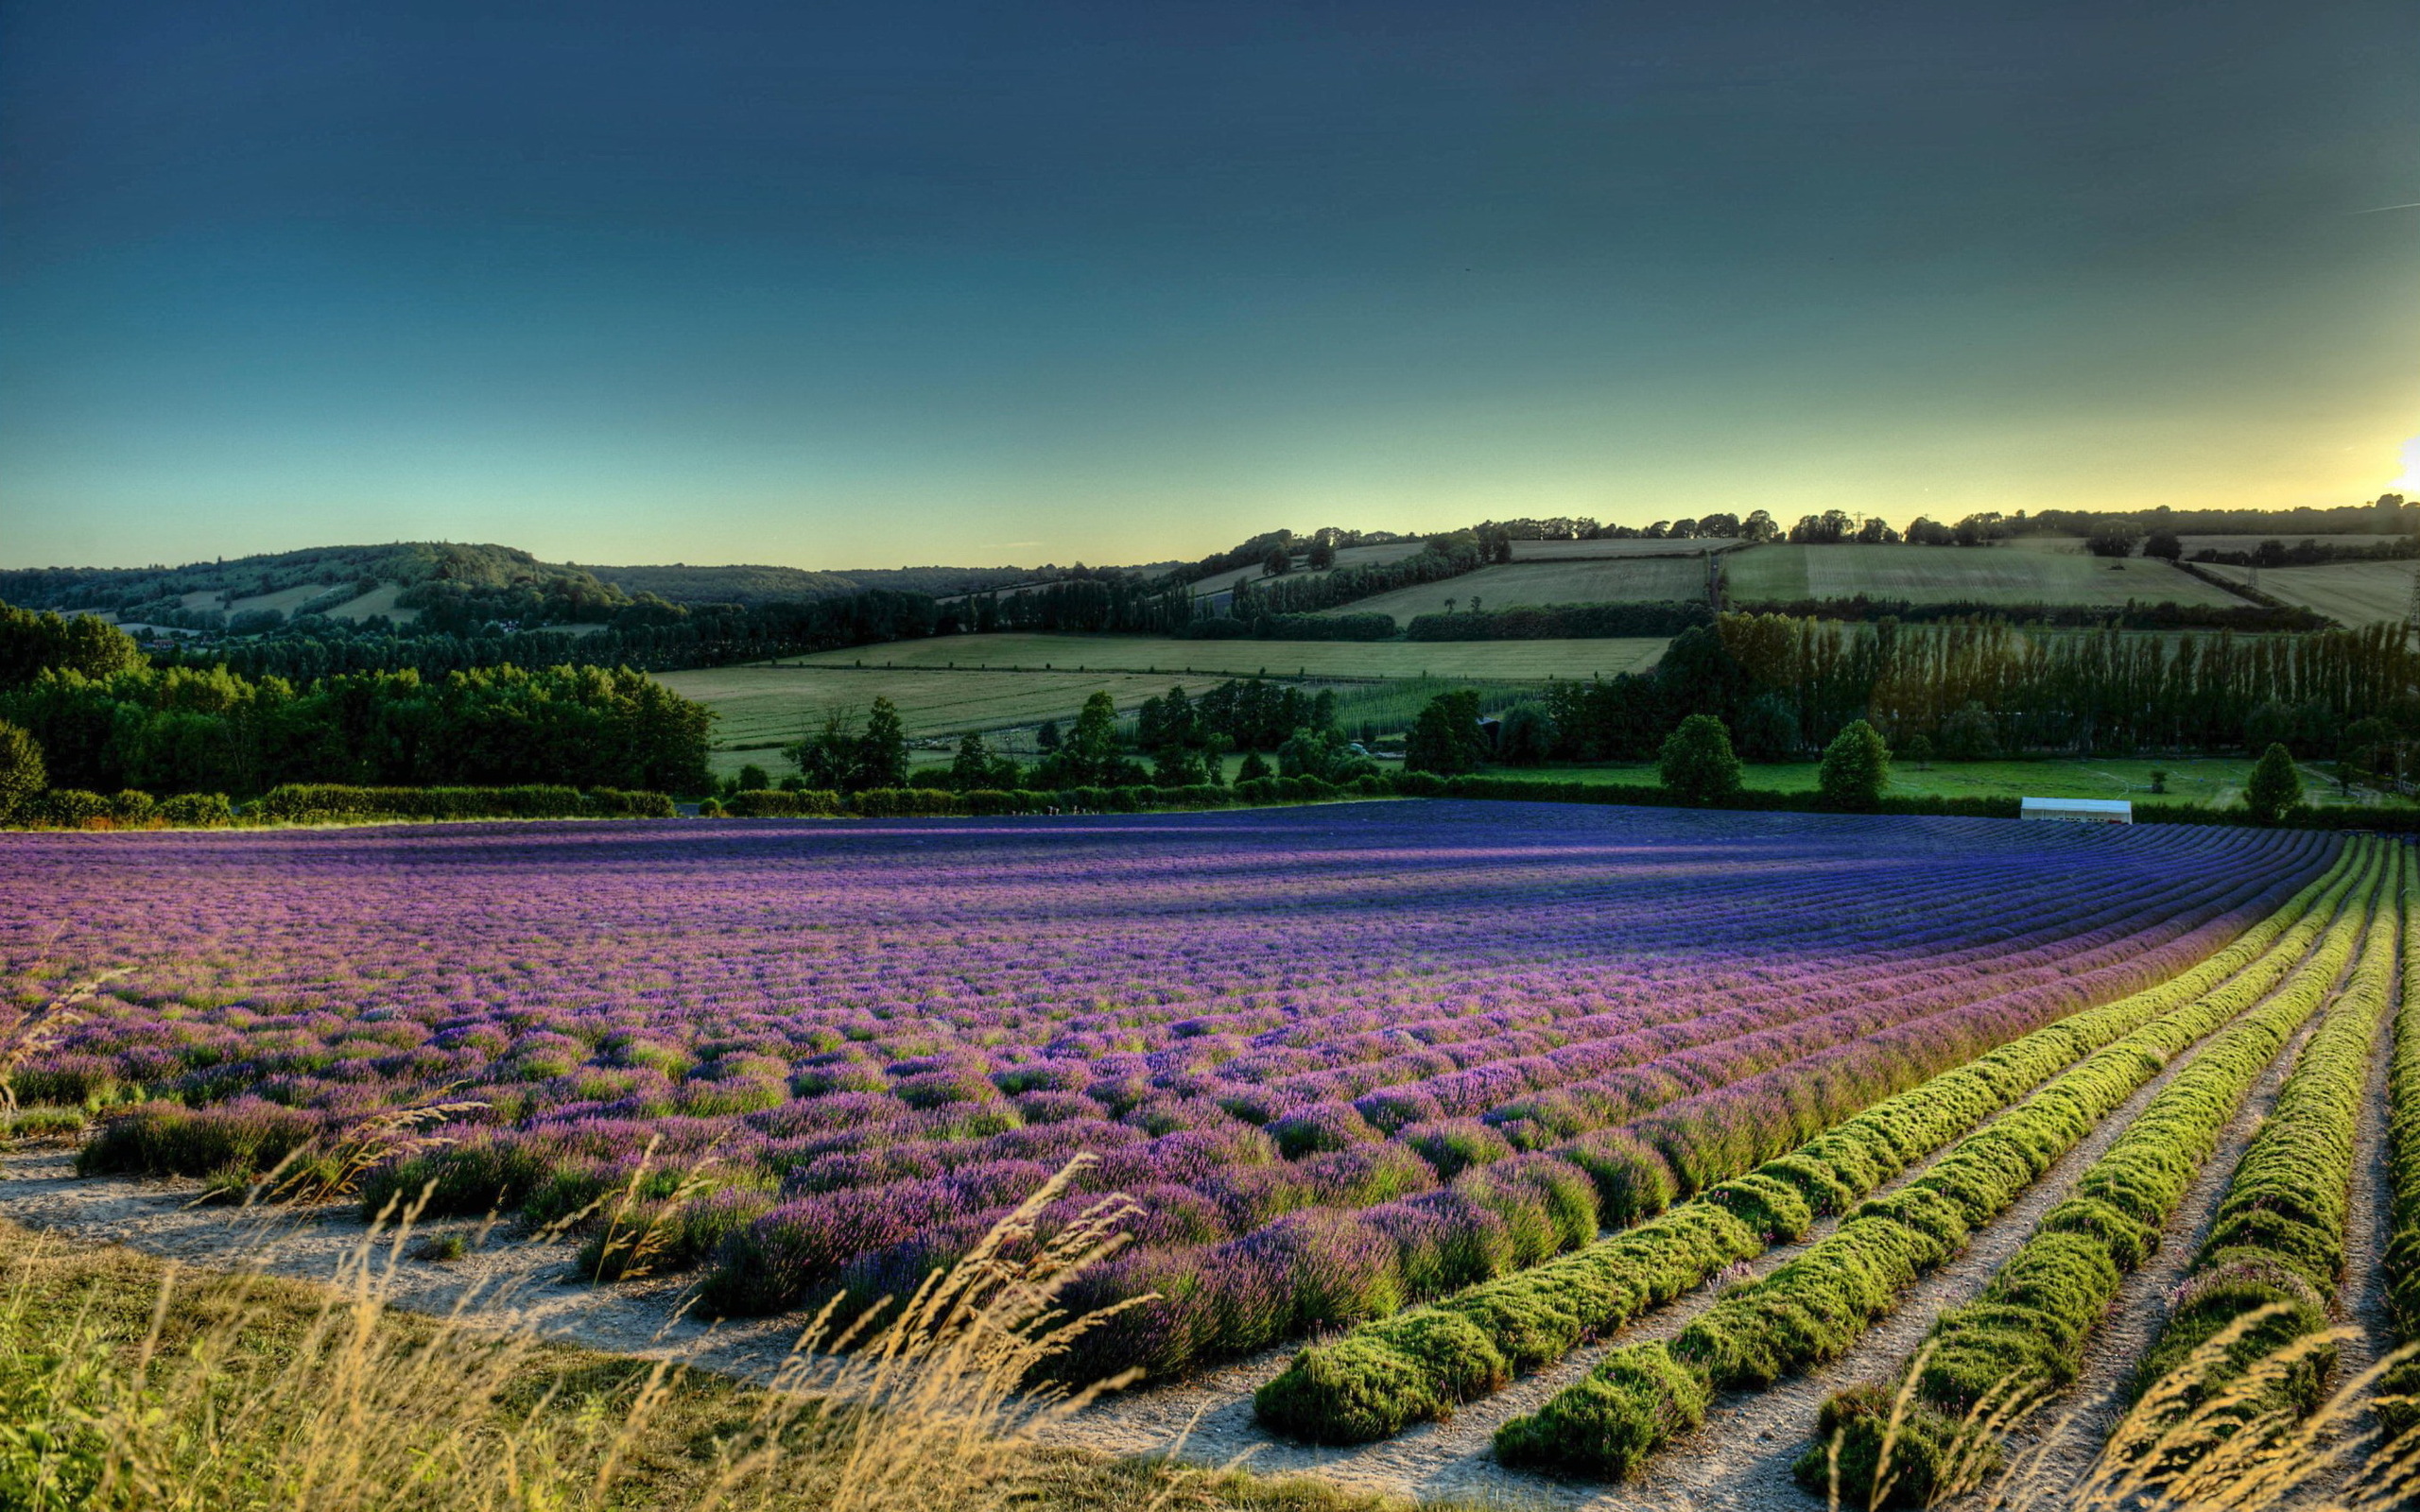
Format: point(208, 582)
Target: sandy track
point(505, 1283)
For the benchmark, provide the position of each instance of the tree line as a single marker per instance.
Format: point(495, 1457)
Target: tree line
point(1784, 686)
point(95, 715)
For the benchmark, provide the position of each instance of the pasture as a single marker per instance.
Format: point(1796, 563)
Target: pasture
point(2352, 593)
point(2044, 572)
point(1635, 578)
point(1416, 1099)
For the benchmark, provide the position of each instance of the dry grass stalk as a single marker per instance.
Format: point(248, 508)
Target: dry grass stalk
point(922, 1406)
point(40, 1029)
point(2208, 1436)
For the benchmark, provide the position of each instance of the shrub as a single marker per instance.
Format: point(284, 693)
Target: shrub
point(769, 804)
point(1697, 765)
point(1855, 769)
point(22, 773)
point(63, 808)
point(2275, 785)
point(198, 811)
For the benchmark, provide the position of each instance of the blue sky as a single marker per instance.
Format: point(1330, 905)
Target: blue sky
point(835, 286)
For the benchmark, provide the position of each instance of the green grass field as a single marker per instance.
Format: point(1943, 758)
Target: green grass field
point(1488, 660)
point(762, 706)
point(2214, 780)
point(2349, 592)
point(2044, 572)
point(1640, 578)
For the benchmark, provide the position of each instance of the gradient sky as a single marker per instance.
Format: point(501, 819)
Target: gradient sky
point(856, 286)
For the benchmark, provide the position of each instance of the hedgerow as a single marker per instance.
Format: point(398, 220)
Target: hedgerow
point(323, 803)
point(2025, 1335)
point(1814, 1307)
point(1420, 1363)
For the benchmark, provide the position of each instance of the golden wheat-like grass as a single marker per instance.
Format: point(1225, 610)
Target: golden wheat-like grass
point(2201, 1438)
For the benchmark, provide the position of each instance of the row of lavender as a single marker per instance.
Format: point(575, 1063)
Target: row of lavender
point(1346, 1056)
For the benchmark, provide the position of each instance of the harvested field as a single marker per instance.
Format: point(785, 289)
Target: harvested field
point(2350, 593)
point(1640, 578)
point(2040, 572)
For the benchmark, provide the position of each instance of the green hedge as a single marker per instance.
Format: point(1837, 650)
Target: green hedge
point(773, 803)
point(2025, 1335)
point(1421, 1363)
point(324, 803)
point(1814, 1307)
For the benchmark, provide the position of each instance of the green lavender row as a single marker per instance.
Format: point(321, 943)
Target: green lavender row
point(1420, 1363)
point(1819, 1303)
point(2025, 1335)
point(2402, 1259)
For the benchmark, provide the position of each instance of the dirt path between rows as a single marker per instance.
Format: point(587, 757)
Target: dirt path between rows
point(505, 1283)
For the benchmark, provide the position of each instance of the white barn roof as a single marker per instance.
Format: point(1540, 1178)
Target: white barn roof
point(2108, 810)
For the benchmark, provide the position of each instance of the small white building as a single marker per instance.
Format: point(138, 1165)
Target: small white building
point(2078, 810)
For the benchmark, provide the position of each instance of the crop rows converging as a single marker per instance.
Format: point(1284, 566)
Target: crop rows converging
point(1520, 1062)
point(2277, 1236)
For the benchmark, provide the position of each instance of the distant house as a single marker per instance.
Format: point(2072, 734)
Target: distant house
point(2078, 810)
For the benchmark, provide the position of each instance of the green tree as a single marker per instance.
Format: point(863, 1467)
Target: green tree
point(21, 769)
point(1527, 736)
point(880, 759)
point(1696, 763)
point(827, 758)
point(32, 642)
point(1179, 766)
point(754, 778)
point(1446, 738)
point(1855, 769)
point(2276, 785)
point(977, 767)
point(1088, 753)
point(1253, 768)
point(1970, 734)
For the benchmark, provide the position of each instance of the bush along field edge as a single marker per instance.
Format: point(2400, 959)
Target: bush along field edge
point(1986, 1365)
point(336, 803)
point(1814, 1307)
point(1421, 1363)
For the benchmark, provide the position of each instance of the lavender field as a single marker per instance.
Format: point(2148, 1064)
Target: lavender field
point(1343, 1058)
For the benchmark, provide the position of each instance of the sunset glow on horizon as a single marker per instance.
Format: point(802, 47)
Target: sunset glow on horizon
point(939, 283)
